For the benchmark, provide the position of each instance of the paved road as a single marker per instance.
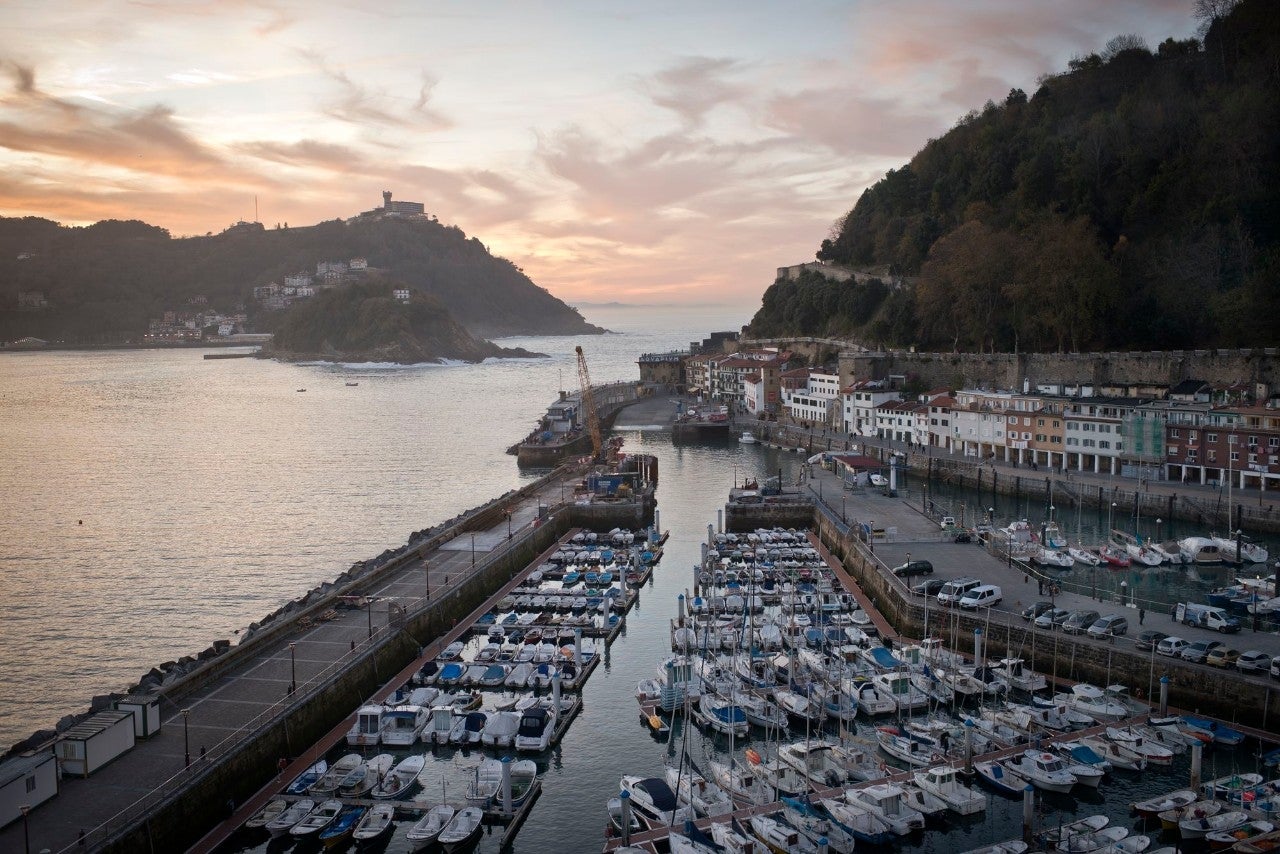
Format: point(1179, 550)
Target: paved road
point(915, 535)
point(223, 710)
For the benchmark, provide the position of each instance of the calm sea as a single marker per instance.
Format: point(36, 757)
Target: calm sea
point(152, 501)
point(210, 492)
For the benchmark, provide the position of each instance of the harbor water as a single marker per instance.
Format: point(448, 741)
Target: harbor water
point(155, 501)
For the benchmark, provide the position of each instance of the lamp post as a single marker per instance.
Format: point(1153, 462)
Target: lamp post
point(426, 574)
point(473, 549)
point(1051, 509)
point(508, 524)
point(1158, 521)
point(1110, 511)
point(293, 668)
point(871, 535)
point(26, 831)
point(368, 610)
point(843, 518)
point(186, 737)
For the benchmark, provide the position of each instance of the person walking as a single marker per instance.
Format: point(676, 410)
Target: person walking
point(1142, 615)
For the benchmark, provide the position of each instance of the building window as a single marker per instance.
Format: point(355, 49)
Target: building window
point(1212, 456)
point(1175, 433)
point(1072, 440)
point(1235, 456)
point(31, 784)
point(1173, 450)
point(1039, 422)
point(1211, 437)
point(1040, 437)
point(1274, 441)
point(1055, 440)
point(1104, 444)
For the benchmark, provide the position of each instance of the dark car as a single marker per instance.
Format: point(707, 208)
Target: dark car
point(915, 567)
point(928, 587)
point(964, 537)
point(1147, 640)
point(1080, 621)
point(1199, 651)
point(1032, 611)
point(1052, 619)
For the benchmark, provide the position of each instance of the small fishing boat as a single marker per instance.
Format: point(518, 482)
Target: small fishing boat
point(1089, 824)
point(1171, 801)
point(1081, 843)
point(398, 782)
point(1233, 787)
point(1114, 556)
point(1198, 827)
point(427, 829)
point(1219, 733)
point(1198, 809)
point(1129, 739)
point(341, 828)
point(778, 837)
point(1080, 555)
point(747, 438)
point(331, 779)
point(287, 820)
point(270, 812)
point(317, 820)
point(304, 781)
point(942, 782)
point(377, 821)
point(463, 829)
point(992, 775)
point(1248, 833)
point(1009, 846)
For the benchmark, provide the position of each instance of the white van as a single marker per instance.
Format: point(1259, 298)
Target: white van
point(953, 591)
point(982, 596)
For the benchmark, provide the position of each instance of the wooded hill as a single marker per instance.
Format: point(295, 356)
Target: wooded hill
point(1131, 202)
point(363, 322)
point(103, 282)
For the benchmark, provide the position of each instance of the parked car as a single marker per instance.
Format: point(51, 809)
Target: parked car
point(964, 537)
point(948, 522)
point(955, 589)
point(928, 587)
point(915, 567)
point(1079, 622)
point(1199, 651)
point(1109, 626)
point(1275, 667)
point(982, 596)
point(1149, 639)
point(1253, 661)
point(1032, 611)
point(1222, 656)
point(1172, 646)
point(1052, 619)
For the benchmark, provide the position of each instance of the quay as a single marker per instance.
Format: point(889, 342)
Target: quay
point(297, 679)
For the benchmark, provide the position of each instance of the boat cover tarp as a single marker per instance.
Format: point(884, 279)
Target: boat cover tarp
point(884, 658)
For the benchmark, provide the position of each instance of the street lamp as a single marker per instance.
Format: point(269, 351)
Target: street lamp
point(368, 610)
point(1158, 521)
point(473, 549)
point(186, 737)
point(426, 573)
point(1051, 509)
point(508, 524)
point(293, 668)
point(1110, 512)
point(871, 535)
point(26, 831)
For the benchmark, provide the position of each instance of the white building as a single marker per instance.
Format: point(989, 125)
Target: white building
point(858, 406)
point(298, 280)
point(401, 294)
point(939, 433)
point(753, 394)
point(26, 781)
point(818, 402)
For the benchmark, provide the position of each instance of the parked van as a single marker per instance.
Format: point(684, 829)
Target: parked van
point(953, 591)
point(982, 596)
point(1205, 616)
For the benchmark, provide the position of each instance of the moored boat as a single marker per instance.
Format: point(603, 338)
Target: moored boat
point(427, 829)
point(462, 829)
point(287, 820)
point(376, 822)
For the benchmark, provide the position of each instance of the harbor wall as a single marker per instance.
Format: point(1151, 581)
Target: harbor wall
point(1068, 658)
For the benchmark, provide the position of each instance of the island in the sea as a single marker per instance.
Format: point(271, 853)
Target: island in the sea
point(379, 321)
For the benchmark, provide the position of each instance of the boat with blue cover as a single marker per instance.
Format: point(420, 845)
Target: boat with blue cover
point(338, 832)
point(991, 775)
point(1221, 734)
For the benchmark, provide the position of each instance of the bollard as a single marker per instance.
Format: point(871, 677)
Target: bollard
point(625, 797)
point(680, 608)
point(720, 520)
point(822, 845)
point(506, 785)
point(977, 647)
point(577, 648)
point(968, 746)
point(711, 533)
point(1028, 812)
point(657, 526)
point(1164, 696)
point(1197, 756)
point(555, 691)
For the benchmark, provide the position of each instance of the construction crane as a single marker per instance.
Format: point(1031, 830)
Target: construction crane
point(589, 405)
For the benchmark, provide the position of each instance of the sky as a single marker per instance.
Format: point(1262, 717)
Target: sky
point(659, 152)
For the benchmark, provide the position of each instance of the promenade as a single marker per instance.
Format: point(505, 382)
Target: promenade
point(212, 721)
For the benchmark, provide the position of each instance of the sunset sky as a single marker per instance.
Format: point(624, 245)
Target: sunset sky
point(646, 152)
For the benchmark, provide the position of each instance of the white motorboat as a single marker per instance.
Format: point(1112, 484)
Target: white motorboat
point(1088, 824)
point(402, 725)
point(1112, 752)
point(1170, 818)
point(909, 749)
point(1053, 557)
point(815, 760)
point(401, 778)
point(925, 803)
point(367, 729)
point(942, 782)
point(743, 786)
point(1169, 550)
point(1201, 550)
point(316, 820)
point(1094, 702)
point(900, 686)
point(462, 829)
point(1084, 556)
point(364, 777)
point(692, 789)
point(537, 724)
point(377, 820)
point(653, 799)
point(888, 801)
point(874, 701)
point(500, 729)
point(285, 821)
point(732, 839)
point(776, 774)
point(427, 829)
point(439, 725)
point(1015, 673)
point(817, 825)
point(723, 716)
point(1043, 770)
point(804, 708)
point(1126, 738)
point(780, 837)
point(747, 438)
point(1249, 551)
point(1172, 801)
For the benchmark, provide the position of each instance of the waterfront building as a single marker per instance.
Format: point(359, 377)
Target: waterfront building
point(817, 401)
point(995, 424)
point(1236, 444)
point(939, 432)
point(663, 368)
point(858, 403)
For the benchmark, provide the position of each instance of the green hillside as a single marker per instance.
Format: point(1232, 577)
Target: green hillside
point(1133, 201)
point(105, 281)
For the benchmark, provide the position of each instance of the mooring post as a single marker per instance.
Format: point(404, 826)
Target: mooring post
point(1164, 695)
point(625, 797)
point(1197, 756)
point(1028, 812)
point(506, 785)
point(555, 690)
point(822, 845)
point(968, 746)
point(577, 648)
point(977, 647)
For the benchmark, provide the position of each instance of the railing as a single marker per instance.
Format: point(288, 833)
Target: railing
point(184, 781)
